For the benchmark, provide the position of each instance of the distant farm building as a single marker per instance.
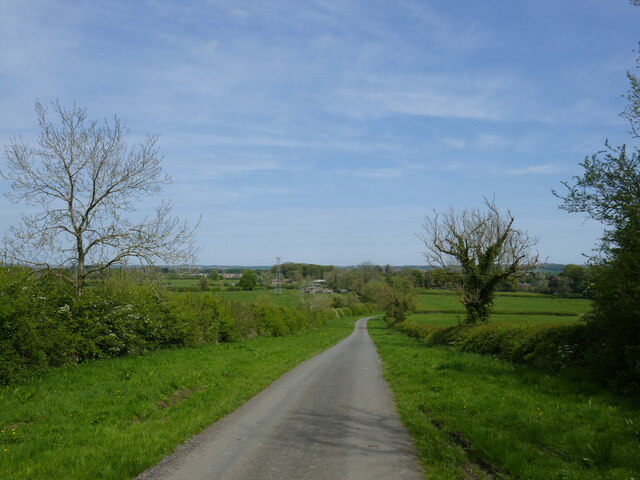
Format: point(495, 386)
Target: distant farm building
point(318, 286)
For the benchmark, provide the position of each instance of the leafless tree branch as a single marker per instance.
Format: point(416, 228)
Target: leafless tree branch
point(84, 178)
point(481, 248)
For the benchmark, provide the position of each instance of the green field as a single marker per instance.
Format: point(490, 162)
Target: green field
point(287, 298)
point(452, 319)
point(182, 282)
point(111, 419)
point(476, 417)
point(193, 282)
point(443, 308)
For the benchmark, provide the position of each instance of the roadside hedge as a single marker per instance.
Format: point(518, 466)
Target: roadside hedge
point(359, 309)
point(548, 346)
point(42, 325)
point(553, 347)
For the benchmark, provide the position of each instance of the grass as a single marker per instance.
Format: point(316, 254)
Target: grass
point(452, 319)
point(195, 282)
point(474, 416)
point(287, 298)
point(443, 308)
point(111, 419)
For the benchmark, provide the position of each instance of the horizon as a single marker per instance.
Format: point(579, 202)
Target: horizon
point(324, 132)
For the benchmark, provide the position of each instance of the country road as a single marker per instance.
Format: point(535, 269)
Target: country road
point(330, 418)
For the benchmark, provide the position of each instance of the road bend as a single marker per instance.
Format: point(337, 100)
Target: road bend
point(330, 418)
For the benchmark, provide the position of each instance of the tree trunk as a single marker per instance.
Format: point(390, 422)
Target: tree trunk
point(80, 275)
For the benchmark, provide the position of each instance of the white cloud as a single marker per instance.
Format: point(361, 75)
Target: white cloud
point(376, 173)
point(546, 169)
point(205, 171)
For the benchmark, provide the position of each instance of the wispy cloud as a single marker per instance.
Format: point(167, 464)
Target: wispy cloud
point(376, 173)
point(546, 169)
point(493, 141)
point(441, 95)
point(271, 104)
point(205, 171)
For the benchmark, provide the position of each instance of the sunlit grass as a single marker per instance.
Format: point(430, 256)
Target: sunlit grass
point(448, 301)
point(112, 419)
point(443, 308)
point(287, 298)
point(453, 319)
point(472, 413)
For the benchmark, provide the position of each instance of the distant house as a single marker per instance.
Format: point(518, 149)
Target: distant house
point(229, 276)
point(318, 286)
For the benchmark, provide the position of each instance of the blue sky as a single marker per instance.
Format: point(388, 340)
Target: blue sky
point(325, 131)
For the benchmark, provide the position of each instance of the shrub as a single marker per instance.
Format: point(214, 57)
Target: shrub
point(203, 318)
point(32, 334)
point(553, 347)
point(420, 331)
point(43, 325)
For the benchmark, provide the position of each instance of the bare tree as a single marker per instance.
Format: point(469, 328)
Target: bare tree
point(83, 180)
point(481, 249)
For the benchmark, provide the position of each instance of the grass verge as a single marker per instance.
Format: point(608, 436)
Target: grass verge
point(111, 419)
point(476, 417)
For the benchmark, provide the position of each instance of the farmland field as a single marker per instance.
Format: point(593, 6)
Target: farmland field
point(287, 298)
point(443, 308)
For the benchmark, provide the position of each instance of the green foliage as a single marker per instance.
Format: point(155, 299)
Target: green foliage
point(203, 283)
point(483, 251)
point(578, 276)
point(124, 316)
point(203, 319)
point(299, 271)
point(249, 280)
point(609, 191)
point(617, 319)
point(552, 347)
point(438, 278)
point(33, 312)
point(375, 292)
point(398, 300)
point(43, 325)
point(358, 309)
point(546, 332)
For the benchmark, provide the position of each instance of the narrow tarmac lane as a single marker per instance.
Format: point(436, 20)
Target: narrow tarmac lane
point(330, 418)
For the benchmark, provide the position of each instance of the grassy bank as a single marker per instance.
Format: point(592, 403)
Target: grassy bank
point(111, 419)
point(474, 416)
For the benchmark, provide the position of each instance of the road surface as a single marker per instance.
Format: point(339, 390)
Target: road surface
point(330, 418)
